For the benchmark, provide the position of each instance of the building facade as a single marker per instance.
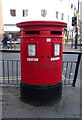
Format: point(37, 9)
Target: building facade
point(15, 11)
point(80, 22)
point(1, 21)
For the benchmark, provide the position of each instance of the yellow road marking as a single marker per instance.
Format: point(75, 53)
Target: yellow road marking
point(10, 78)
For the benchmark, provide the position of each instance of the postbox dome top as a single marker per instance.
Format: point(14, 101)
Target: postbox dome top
point(41, 23)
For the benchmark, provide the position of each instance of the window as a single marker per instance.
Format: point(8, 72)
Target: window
point(43, 12)
point(68, 17)
point(71, 5)
point(13, 12)
point(57, 15)
point(25, 12)
point(62, 16)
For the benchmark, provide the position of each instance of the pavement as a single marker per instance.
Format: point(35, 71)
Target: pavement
point(0, 102)
point(67, 47)
point(17, 49)
point(11, 106)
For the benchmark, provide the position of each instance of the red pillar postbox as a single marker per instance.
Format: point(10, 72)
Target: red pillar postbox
point(41, 61)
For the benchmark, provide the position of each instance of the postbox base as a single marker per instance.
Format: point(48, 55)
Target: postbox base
point(41, 94)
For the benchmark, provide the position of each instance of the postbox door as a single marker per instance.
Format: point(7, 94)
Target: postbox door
point(39, 49)
point(49, 50)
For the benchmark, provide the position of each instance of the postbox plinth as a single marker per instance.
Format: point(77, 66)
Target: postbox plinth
point(41, 95)
point(41, 61)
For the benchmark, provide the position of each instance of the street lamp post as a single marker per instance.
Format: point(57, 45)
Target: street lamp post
point(76, 37)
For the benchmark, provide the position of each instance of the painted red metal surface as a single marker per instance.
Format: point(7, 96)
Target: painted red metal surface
point(43, 68)
point(35, 23)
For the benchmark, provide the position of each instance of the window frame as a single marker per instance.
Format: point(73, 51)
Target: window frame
point(13, 12)
point(62, 16)
point(43, 12)
point(57, 14)
point(25, 12)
